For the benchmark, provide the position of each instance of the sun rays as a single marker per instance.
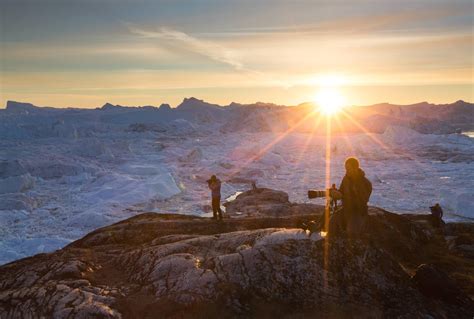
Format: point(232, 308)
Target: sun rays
point(329, 101)
point(335, 126)
point(272, 143)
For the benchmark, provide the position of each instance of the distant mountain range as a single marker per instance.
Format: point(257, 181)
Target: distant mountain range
point(423, 117)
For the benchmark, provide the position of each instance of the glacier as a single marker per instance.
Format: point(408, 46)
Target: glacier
point(66, 172)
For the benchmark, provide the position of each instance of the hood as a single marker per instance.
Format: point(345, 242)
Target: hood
point(358, 174)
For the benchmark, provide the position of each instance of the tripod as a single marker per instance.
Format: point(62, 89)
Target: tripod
point(330, 208)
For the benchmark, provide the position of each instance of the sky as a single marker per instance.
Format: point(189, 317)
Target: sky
point(84, 53)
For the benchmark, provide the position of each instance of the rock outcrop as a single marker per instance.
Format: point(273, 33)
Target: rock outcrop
point(434, 283)
point(55, 288)
point(268, 202)
point(176, 266)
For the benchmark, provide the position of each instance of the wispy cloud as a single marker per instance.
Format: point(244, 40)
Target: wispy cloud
point(211, 50)
point(208, 49)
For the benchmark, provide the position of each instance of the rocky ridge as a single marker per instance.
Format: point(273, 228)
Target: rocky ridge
point(266, 265)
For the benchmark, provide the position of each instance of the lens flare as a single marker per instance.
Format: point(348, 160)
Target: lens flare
point(329, 100)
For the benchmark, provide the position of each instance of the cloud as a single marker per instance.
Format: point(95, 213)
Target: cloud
point(208, 49)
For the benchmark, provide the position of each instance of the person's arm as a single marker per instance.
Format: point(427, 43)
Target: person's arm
point(342, 186)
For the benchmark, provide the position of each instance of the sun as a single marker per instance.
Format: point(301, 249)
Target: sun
point(329, 100)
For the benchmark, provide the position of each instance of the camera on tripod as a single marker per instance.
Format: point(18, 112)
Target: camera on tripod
point(316, 194)
point(332, 193)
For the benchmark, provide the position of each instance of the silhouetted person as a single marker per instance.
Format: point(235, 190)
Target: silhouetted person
point(437, 215)
point(355, 189)
point(215, 186)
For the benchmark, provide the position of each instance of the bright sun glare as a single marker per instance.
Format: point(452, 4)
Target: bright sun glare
point(329, 100)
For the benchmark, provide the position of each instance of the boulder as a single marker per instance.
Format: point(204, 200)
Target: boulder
point(434, 283)
point(460, 238)
point(267, 202)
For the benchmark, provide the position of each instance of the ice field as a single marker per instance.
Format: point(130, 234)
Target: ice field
point(65, 174)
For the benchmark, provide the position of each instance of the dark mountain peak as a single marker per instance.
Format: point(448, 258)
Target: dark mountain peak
point(235, 104)
point(424, 103)
point(149, 107)
point(165, 106)
point(109, 106)
point(461, 102)
point(269, 105)
point(13, 106)
point(193, 103)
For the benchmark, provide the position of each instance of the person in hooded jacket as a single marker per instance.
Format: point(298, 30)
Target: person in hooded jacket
point(214, 185)
point(356, 190)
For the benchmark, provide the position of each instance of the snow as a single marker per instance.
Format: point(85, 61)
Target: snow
point(64, 173)
point(11, 168)
point(16, 201)
point(16, 184)
point(194, 155)
point(401, 135)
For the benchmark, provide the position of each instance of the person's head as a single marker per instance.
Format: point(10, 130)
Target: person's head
point(213, 177)
point(352, 165)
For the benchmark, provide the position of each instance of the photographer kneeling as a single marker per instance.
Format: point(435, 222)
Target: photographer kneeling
point(356, 190)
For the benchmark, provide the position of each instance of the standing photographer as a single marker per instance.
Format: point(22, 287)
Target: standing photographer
point(214, 185)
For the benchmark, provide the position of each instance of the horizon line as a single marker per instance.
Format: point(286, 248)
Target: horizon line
point(223, 106)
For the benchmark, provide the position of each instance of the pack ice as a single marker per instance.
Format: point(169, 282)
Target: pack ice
point(65, 172)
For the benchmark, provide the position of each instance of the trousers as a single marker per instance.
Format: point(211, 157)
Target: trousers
point(216, 208)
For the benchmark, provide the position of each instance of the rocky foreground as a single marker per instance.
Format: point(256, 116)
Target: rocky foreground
point(258, 262)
